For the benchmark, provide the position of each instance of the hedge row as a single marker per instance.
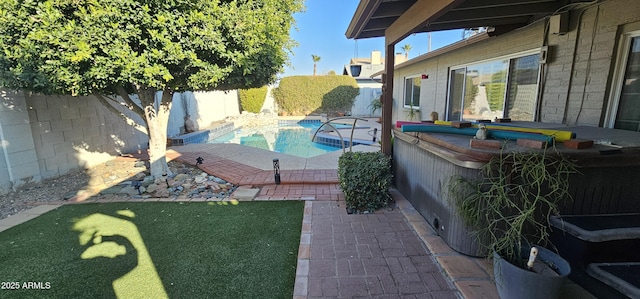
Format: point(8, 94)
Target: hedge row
point(252, 99)
point(298, 95)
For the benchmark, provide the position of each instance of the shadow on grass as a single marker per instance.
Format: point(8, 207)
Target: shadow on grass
point(194, 250)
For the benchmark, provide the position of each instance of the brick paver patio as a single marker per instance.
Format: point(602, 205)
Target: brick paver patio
point(392, 253)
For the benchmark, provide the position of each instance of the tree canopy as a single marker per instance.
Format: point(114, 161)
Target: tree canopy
point(111, 48)
point(82, 47)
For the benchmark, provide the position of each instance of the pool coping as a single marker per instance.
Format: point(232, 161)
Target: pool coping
point(204, 136)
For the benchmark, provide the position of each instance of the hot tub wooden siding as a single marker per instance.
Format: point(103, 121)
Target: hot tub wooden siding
point(421, 176)
point(609, 181)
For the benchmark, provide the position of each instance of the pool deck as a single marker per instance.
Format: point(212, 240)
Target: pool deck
point(392, 253)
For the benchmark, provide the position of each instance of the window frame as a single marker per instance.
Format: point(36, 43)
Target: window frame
point(404, 92)
point(509, 58)
point(622, 58)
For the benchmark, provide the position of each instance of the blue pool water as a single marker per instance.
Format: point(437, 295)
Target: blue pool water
point(288, 139)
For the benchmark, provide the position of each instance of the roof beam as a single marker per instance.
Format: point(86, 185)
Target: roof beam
point(378, 24)
point(498, 3)
point(417, 17)
point(392, 9)
point(437, 26)
point(363, 13)
point(506, 11)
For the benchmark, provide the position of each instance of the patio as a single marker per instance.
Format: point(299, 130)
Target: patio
point(389, 253)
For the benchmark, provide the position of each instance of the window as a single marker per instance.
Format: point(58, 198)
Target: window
point(497, 88)
point(625, 112)
point(412, 92)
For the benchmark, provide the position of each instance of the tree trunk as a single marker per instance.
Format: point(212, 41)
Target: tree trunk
point(156, 114)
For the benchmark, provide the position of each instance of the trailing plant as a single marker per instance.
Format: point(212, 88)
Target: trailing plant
point(510, 203)
point(365, 179)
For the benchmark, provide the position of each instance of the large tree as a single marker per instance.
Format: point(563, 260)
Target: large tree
point(141, 52)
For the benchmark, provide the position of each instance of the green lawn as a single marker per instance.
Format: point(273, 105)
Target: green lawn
point(154, 250)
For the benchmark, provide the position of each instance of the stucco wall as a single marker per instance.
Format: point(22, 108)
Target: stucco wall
point(577, 77)
point(369, 90)
point(204, 108)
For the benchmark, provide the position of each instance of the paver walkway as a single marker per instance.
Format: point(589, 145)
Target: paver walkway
point(369, 256)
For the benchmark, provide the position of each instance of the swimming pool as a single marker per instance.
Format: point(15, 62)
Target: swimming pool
point(291, 139)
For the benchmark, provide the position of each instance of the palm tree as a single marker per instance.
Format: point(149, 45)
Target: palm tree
point(315, 58)
point(406, 48)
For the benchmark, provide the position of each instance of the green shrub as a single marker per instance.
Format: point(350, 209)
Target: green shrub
point(252, 99)
point(365, 179)
point(321, 94)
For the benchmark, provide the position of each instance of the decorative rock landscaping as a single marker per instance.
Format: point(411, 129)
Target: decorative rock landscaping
point(131, 178)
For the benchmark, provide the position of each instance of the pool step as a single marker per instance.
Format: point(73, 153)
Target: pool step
point(201, 136)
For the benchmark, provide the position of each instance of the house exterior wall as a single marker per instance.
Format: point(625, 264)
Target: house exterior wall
point(576, 81)
point(44, 136)
point(434, 89)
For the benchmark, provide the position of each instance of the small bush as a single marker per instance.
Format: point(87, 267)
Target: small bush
point(252, 99)
point(365, 179)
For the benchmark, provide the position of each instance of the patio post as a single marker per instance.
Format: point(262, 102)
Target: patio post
point(387, 99)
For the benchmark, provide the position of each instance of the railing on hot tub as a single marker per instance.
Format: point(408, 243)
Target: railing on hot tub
point(328, 123)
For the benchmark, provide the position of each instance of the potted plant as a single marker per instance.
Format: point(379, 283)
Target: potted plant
point(509, 206)
point(376, 105)
point(413, 114)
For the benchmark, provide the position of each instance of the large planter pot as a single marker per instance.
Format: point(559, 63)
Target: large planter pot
point(515, 282)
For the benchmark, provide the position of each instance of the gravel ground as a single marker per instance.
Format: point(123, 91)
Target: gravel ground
point(46, 191)
point(98, 178)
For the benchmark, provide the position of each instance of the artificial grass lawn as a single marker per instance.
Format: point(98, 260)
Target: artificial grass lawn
point(183, 250)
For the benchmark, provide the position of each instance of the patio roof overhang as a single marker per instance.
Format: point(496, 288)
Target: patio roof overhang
point(396, 19)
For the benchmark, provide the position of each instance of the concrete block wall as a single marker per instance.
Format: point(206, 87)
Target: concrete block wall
point(79, 132)
point(44, 136)
point(18, 162)
point(582, 61)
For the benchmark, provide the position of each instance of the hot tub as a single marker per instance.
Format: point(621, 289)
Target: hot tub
point(424, 163)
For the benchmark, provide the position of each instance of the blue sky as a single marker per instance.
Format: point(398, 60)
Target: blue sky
point(321, 31)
